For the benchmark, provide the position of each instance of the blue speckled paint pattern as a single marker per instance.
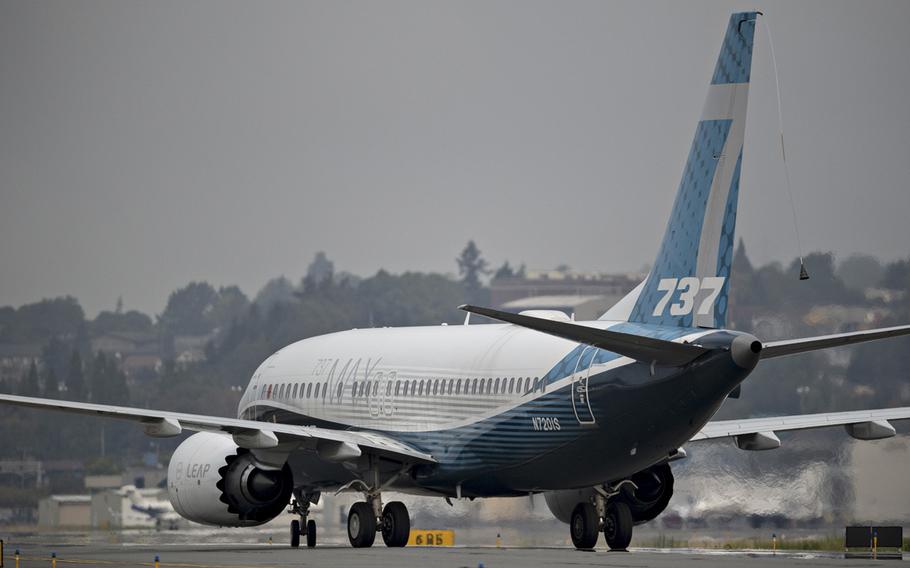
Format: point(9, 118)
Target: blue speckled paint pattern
point(725, 250)
point(679, 251)
point(734, 64)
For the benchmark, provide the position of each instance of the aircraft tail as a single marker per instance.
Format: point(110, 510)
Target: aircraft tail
point(689, 281)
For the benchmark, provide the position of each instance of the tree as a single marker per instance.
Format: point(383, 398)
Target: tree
point(320, 270)
point(187, 309)
point(276, 291)
point(471, 266)
point(111, 322)
point(229, 305)
point(860, 271)
point(75, 379)
point(108, 382)
point(30, 386)
point(504, 271)
point(51, 384)
point(40, 321)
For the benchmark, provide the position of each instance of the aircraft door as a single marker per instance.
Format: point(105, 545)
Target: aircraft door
point(581, 405)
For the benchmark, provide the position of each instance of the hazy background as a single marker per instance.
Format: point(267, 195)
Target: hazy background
point(143, 145)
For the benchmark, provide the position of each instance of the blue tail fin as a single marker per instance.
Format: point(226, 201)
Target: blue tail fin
point(689, 281)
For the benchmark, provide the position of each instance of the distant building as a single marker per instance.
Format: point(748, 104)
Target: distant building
point(137, 351)
point(15, 359)
point(585, 308)
point(72, 511)
point(582, 293)
point(189, 349)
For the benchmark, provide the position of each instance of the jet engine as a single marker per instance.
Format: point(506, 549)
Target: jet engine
point(214, 482)
point(655, 487)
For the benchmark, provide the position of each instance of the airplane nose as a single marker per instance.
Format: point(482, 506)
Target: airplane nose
point(745, 350)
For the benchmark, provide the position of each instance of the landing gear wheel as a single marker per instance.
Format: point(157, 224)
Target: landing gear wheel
point(311, 533)
point(295, 534)
point(361, 525)
point(396, 524)
point(584, 526)
point(618, 526)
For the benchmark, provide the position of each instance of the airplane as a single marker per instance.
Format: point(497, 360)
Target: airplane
point(162, 512)
point(590, 413)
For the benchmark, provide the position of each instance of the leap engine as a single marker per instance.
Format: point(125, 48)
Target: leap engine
point(646, 499)
point(214, 482)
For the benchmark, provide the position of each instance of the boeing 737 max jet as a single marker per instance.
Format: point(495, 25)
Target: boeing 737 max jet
point(590, 413)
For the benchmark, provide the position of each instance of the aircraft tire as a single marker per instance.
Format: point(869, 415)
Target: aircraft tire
point(583, 526)
point(311, 533)
point(396, 525)
point(618, 525)
point(361, 525)
point(295, 533)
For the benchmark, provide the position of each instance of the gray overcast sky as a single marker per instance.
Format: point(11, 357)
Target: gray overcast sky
point(146, 144)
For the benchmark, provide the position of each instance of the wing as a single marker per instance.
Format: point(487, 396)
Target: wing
point(759, 433)
point(246, 433)
point(793, 346)
point(635, 346)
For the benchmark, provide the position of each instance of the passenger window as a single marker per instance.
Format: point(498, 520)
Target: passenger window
point(496, 387)
point(398, 387)
point(502, 387)
point(309, 389)
point(296, 386)
point(436, 387)
point(512, 385)
point(281, 391)
point(360, 390)
point(482, 383)
point(451, 385)
point(367, 387)
point(420, 389)
point(528, 384)
point(489, 386)
point(458, 386)
point(474, 387)
point(354, 389)
point(375, 388)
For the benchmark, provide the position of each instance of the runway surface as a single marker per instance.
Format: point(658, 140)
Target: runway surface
point(266, 556)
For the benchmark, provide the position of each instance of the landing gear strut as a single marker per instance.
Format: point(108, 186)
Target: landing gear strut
point(602, 513)
point(368, 517)
point(300, 505)
point(364, 520)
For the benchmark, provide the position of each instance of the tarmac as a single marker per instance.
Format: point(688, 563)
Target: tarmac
point(202, 555)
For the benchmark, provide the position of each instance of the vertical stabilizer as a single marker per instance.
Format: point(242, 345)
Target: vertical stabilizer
point(689, 281)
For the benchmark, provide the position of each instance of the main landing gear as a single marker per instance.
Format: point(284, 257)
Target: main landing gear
point(366, 518)
point(301, 506)
point(613, 518)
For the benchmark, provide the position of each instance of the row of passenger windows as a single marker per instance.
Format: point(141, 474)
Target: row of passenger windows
point(422, 387)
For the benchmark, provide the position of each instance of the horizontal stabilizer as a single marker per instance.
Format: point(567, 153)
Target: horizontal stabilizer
point(793, 346)
point(638, 347)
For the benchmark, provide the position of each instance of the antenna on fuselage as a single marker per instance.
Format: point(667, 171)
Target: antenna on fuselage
point(467, 318)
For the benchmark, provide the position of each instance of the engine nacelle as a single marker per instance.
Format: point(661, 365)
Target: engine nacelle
point(212, 481)
point(655, 487)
